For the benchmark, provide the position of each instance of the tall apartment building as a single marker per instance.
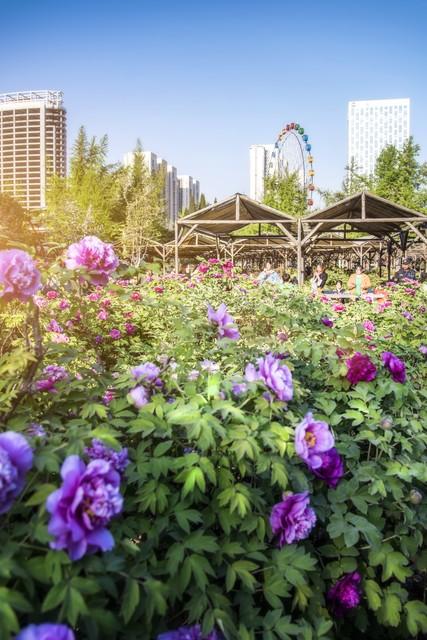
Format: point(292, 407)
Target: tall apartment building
point(33, 135)
point(374, 124)
point(259, 161)
point(179, 191)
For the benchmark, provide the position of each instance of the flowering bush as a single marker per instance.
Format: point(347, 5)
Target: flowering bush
point(167, 484)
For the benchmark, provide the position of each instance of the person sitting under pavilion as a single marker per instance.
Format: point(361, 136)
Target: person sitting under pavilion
point(406, 272)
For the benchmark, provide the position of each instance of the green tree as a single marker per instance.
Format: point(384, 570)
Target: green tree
point(142, 193)
point(86, 201)
point(354, 182)
point(286, 194)
point(16, 225)
point(398, 176)
point(203, 202)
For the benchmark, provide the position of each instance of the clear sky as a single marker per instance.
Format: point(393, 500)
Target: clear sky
point(199, 82)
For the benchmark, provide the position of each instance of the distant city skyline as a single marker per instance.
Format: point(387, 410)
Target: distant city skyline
point(180, 191)
point(373, 125)
point(202, 82)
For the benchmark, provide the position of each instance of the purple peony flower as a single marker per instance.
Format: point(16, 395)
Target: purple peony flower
point(53, 373)
point(311, 439)
point(327, 322)
point(19, 276)
point(130, 328)
point(292, 519)
point(408, 315)
point(36, 430)
point(331, 469)
point(423, 349)
point(209, 366)
point(16, 459)
point(275, 375)
point(345, 594)
point(94, 256)
point(395, 365)
point(46, 632)
point(83, 506)
point(360, 369)
point(139, 396)
point(147, 372)
point(99, 451)
point(189, 633)
point(224, 321)
point(193, 375)
point(115, 334)
point(239, 388)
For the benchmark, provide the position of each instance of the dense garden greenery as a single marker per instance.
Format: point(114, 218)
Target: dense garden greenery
point(182, 534)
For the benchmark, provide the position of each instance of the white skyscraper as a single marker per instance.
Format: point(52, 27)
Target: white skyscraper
point(259, 160)
point(374, 124)
point(185, 192)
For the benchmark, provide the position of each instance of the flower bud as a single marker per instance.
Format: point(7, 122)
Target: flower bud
point(415, 497)
point(386, 423)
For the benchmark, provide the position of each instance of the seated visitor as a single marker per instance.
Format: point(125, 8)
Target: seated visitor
point(359, 282)
point(406, 272)
point(269, 275)
point(339, 290)
point(318, 280)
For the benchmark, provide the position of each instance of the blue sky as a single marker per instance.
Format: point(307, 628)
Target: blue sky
point(200, 82)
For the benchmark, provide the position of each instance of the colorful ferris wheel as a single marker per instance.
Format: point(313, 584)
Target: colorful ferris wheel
point(292, 154)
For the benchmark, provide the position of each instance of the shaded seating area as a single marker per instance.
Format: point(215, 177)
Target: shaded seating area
point(362, 224)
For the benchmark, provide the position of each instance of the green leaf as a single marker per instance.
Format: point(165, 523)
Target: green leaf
point(130, 599)
point(373, 593)
point(54, 597)
point(39, 496)
point(416, 617)
point(389, 613)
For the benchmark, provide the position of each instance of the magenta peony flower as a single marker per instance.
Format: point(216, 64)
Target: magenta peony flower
point(63, 304)
point(19, 276)
point(369, 326)
point(338, 307)
point(159, 289)
point(203, 267)
point(102, 315)
point(345, 594)
point(16, 459)
point(189, 633)
point(83, 506)
point(275, 375)
point(360, 369)
point(311, 439)
point(331, 469)
point(292, 519)
point(135, 296)
point(115, 334)
point(224, 322)
point(46, 631)
point(130, 328)
point(93, 256)
point(395, 365)
point(327, 322)
point(52, 295)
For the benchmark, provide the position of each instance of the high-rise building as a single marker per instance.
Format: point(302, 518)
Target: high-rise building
point(179, 191)
point(373, 125)
point(172, 194)
point(32, 144)
point(185, 192)
point(259, 161)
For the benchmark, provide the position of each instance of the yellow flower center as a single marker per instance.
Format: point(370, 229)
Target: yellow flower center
point(310, 438)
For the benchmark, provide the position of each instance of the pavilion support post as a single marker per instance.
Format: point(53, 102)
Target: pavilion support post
point(176, 249)
point(300, 267)
point(389, 248)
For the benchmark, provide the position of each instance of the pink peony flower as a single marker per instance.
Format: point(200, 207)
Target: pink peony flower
point(115, 334)
point(158, 289)
point(102, 315)
point(338, 307)
point(369, 326)
point(93, 256)
point(135, 295)
point(52, 295)
point(63, 304)
point(19, 276)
